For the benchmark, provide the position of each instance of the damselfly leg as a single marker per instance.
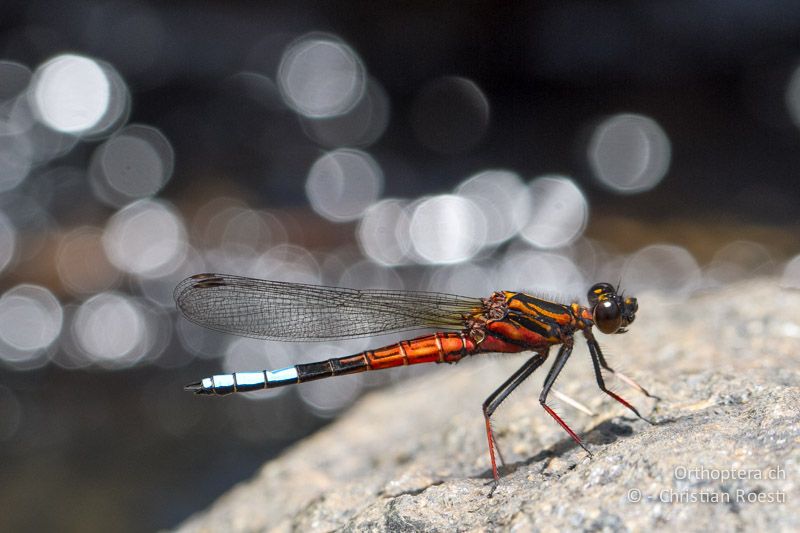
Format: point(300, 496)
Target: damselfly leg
point(506, 322)
point(598, 361)
point(496, 398)
point(561, 359)
point(625, 379)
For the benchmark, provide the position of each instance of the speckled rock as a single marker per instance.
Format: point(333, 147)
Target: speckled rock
point(722, 454)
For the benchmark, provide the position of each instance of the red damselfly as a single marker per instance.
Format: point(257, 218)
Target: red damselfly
point(506, 321)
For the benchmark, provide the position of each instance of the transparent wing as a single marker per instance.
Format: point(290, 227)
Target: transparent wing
point(296, 312)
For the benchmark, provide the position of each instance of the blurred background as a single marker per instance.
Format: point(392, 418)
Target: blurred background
point(461, 149)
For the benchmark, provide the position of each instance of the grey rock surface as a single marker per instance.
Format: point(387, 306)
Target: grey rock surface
point(722, 455)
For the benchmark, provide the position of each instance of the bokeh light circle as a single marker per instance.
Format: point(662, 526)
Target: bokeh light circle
point(629, 153)
point(320, 76)
point(287, 262)
point(248, 231)
point(361, 126)
point(736, 261)
point(663, 268)
point(502, 198)
point(383, 232)
point(343, 183)
point(548, 274)
point(71, 93)
point(134, 163)
point(30, 321)
point(447, 229)
point(146, 238)
point(559, 212)
point(111, 330)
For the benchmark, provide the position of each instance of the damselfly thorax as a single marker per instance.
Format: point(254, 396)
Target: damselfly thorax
point(506, 322)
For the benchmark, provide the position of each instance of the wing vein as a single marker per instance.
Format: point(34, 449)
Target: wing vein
point(297, 312)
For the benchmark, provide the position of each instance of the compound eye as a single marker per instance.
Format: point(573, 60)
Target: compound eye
point(598, 290)
point(607, 316)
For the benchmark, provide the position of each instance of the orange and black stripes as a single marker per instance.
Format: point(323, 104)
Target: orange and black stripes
point(530, 323)
point(530, 306)
point(436, 348)
point(506, 322)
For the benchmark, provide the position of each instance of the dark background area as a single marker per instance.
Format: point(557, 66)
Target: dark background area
point(96, 445)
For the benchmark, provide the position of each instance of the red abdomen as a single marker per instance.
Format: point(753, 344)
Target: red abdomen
point(436, 348)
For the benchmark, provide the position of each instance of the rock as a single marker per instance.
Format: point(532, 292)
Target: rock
point(722, 454)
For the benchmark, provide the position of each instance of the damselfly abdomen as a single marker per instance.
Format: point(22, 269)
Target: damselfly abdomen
point(506, 321)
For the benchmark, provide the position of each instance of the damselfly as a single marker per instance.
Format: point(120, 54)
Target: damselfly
point(506, 321)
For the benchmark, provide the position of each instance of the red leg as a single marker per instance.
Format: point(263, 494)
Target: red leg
point(597, 362)
point(555, 370)
point(497, 397)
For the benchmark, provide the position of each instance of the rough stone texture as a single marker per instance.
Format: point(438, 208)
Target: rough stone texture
point(414, 457)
